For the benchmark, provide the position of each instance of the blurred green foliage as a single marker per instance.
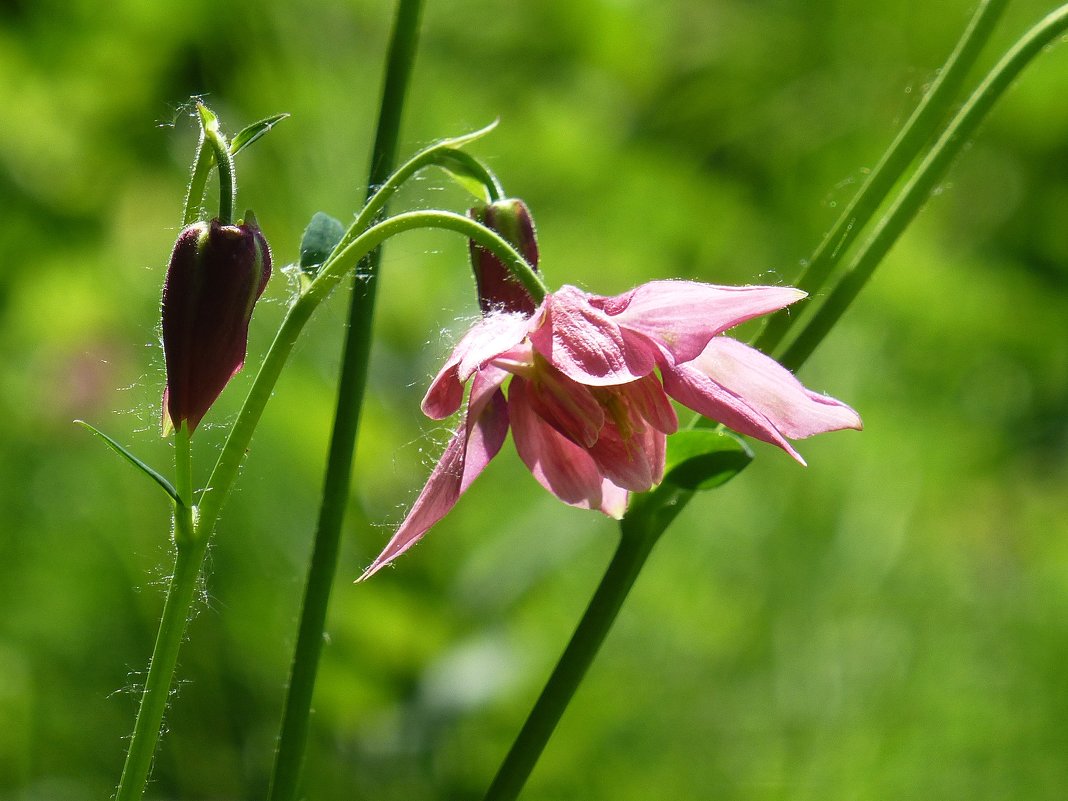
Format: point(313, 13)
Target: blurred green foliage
point(890, 623)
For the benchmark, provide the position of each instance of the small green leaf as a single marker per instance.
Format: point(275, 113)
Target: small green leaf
point(466, 171)
point(246, 136)
point(702, 458)
point(148, 471)
point(319, 240)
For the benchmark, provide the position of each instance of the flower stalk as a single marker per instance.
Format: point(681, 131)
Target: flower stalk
point(189, 556)
point(220, 149)
point(923, 181)
point(581, 650)
point(652, 512)
point(352, 382)
point(902, 152)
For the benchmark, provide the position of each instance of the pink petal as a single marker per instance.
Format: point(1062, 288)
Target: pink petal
point(465, 457)
point(694, 389)
point(646, 398)
point(491, 336)
point(440, 494)
point(682, 316)
point(490, 412)
point(585, 344)
point(773, 390)
point(558, 464)
point(613, 500)
point(566, 405)
point(635, 462)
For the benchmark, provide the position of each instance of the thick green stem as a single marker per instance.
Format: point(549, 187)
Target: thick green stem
point(923, 181)
point(642, 527)
point(289, 757)
point(180, 594)
point(902, 152)
point(184, 532)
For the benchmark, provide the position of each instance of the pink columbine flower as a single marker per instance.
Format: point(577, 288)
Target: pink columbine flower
point(588, 385)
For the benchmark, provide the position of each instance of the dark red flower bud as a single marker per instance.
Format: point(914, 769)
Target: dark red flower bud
point(216, 274)
point(497, 287)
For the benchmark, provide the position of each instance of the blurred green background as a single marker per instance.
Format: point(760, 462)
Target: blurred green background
point(890, 623)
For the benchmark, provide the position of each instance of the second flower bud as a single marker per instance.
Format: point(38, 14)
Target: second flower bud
point(498, 289)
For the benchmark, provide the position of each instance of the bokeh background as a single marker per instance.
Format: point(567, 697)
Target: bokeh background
point(890, 623)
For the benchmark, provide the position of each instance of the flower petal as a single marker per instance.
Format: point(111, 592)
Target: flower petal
point(440, 494)
point(566, 405)
point(692, 388)
point(647, 399)
point(613, 500)
point(490, 412)
point(491, 336)
point(585, 344)
point(467, 454)
point(635, 462)
point(773, 390)
point(558, 464)
point(682, 316)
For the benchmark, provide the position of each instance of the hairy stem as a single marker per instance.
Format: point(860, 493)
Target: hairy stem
point(180, 593)
point(221, 151)
point(193, 532)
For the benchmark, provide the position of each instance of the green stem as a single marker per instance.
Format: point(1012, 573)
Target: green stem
point(923, 181)
point(221, 150)
point(180, 593)
point(192, 534)
point(172, 626)
point(352, 382)
point(440, 154)
point(902, 152)
point(183, 484)
point(647, 519)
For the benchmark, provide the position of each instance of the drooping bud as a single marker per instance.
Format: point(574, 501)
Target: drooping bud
point(497, 287)
point(216, 274)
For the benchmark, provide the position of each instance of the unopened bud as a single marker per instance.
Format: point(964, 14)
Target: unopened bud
point(216, 274)
point(498, 289)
